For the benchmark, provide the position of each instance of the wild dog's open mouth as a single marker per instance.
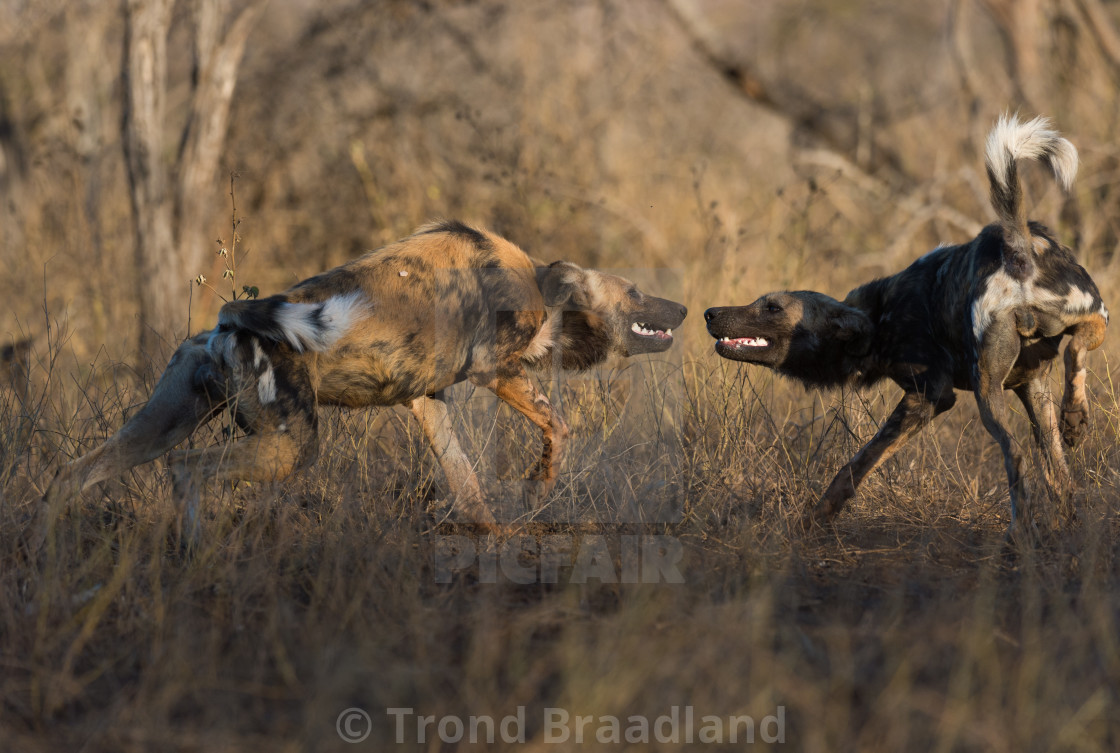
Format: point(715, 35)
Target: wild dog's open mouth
point(744, 342)
point(646, 330)
point(744, 348)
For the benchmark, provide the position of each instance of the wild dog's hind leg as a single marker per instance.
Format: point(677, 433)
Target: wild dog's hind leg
point(177, 407)
point(431, 412)
point(914, 411)
point(1075, 406)
point(515, 388)
point(273, 399)
point(1039, 405)
point(999, 349)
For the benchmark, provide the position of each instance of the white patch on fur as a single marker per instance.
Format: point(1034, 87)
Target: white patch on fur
point(258, 354)
point(543, 341)
point(593, 287)
point(266, 387)
point(1079, 301)
point(1011, 140)
point(1003, 292)
point(1000, 293)
point(318, 326)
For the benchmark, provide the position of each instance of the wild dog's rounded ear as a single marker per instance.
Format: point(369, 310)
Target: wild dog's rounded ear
point(558, 282)
point(852, 326)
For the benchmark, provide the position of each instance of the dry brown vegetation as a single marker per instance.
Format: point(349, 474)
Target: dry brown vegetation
point(713, 149)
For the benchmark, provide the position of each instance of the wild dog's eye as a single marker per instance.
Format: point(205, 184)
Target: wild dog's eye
point(773, 308)
point(634, 294)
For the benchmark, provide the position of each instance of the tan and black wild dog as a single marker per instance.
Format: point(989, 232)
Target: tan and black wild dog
point(983, 316)
point(396, 326)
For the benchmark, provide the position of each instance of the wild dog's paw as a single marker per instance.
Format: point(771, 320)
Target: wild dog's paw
point(818, 516)
point(1075, 423)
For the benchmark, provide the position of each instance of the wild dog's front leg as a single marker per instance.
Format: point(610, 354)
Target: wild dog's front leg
point(431, 412)
point(1075, 405)
point(177, 407)
point(518, 390)
point(909, 416)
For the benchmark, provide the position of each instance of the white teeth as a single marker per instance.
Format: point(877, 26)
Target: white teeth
point(746, 342)
point(641, 329)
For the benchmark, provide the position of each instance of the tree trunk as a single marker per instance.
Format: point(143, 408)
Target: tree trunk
point(160, 289)
point(170, 212)
point(217, 58)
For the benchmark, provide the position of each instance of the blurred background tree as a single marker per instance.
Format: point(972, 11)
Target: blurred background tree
point(749, 143)
point(170, 201)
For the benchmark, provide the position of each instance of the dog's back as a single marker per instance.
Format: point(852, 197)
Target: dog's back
point(448, 273)
point(404, 321)
point(938, 311)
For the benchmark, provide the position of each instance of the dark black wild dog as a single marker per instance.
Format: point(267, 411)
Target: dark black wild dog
point(396, 326)
point(983, 316)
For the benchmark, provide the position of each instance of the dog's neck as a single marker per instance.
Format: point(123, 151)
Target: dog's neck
point(574, 339)
point(839, 352)
point(831, 363)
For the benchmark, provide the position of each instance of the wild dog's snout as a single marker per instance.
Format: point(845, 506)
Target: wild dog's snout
point(711, 314)
point(718, 319)
point(672, 312)
point(717, 314)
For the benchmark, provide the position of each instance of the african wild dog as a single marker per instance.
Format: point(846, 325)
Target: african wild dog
point(396, 326)
point(984, 316)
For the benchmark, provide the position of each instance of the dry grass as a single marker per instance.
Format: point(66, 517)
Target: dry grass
point(591, 131)
point(907, 628)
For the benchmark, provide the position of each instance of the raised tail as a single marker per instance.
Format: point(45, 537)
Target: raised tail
point(313, 326)
point(1009, 142)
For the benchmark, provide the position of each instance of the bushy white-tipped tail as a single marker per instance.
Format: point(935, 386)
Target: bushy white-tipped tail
point(1009, 142)
point(318, 326)
point(313, 326)
point(1013, 140)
